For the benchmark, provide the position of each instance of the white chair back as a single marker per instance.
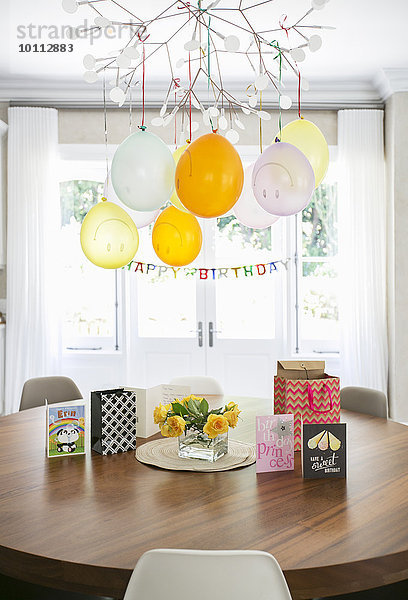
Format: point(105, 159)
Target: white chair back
point(204, 574)
point(364, 400)
point(203, 386)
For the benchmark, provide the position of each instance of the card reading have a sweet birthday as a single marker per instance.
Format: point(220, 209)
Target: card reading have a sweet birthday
point(274, 443)
point(66, 428)
point(324, 450)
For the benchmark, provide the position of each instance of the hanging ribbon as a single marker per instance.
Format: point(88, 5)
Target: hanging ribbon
point(275, 44)
point(176, 82)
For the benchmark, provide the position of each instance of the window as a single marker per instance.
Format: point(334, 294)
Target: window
point(89, 293)
point(317, 281)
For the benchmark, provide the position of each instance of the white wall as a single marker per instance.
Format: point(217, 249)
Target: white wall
point(396, 153)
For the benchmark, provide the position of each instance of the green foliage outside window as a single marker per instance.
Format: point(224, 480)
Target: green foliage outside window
point(233, 230)
point(77, 197)
point(319, 223)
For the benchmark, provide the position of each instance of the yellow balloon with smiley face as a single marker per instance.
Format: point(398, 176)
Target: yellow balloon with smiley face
point(209, 176)
point(109, 238)
point(176, 237)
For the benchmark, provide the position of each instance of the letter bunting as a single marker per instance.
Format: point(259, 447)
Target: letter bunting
point(244, 271)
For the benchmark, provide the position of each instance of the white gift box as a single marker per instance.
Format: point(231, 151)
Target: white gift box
point(148, 399)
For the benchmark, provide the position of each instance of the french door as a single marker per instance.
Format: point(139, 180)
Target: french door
point(229, 326)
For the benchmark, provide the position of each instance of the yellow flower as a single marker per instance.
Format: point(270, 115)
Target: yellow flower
point(160, 413)
point(173, 427)
point(185, 400)
point(216, 424)
point(232, 406)
point(232, 417)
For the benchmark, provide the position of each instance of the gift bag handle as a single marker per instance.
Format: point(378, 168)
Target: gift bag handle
point(311, 399)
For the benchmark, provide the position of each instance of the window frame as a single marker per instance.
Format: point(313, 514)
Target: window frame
point(88, 162)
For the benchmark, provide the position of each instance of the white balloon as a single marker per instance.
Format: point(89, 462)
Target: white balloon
point(245, 108)
point(143, 171)
point(163, 110)
point(140, 219)
point(247, 210)
point(285, 102)
point(89, 62)
point(206, 118)
point(117, 95)
point(283, 180)
point(180, 63)
point(252, 101)
point(157, 122)
point(213, 111)
point(231, 43)
point(315, 43)
point(232, 136)
point(70, 6)
point(90, 76)
point(239, 123)
point(262, 82)
point(318, 4)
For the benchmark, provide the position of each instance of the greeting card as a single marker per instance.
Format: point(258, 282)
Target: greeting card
point(324, 450)
point(66, 428)
point(274, 443)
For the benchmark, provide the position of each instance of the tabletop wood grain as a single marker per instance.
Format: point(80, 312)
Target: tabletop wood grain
point(80, 523)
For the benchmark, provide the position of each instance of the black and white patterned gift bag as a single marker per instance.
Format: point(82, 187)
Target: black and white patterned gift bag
point(113, 421)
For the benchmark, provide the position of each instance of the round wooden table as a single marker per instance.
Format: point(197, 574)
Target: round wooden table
point(81, 523)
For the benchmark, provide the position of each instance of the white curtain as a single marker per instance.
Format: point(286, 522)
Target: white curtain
point(32, 338)
point(362, 248)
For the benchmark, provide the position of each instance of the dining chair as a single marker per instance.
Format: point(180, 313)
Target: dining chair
point(201, 574)
point(364, 400)
point(204, 386)
point(54, 389)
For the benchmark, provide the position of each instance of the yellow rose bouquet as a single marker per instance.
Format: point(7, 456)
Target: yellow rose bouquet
point(202, 433)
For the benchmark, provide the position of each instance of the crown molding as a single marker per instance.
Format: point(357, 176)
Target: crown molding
point(73, 94)
point(391, 81)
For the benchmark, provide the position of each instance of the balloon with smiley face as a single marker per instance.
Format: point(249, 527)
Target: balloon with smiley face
point(308, 138)
point(247, 210)
point(176, 237)
point(143, 171)
point(109, 238)
point(283, 180)
point(209, 176)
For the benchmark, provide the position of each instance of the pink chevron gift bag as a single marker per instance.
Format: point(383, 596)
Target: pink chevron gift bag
point(305, 390)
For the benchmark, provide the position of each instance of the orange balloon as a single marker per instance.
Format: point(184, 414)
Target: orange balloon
point(209, 176)
point(176, 237)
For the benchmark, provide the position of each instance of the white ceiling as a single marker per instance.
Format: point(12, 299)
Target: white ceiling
point(370, 37)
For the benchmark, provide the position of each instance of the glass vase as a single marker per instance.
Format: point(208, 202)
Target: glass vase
point(196, 444)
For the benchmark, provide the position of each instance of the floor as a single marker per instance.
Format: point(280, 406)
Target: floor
point(11, 589)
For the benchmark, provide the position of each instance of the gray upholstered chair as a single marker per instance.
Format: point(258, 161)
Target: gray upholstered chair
point(55, 389)
point(364, 400)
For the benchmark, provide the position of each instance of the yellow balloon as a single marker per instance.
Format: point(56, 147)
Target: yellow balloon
point(109, 238)
point(176, 237)
point(308, 138)
point(209, 176)
point(174, 199)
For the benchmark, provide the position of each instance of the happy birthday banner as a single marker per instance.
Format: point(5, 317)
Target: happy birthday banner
point(208, 273)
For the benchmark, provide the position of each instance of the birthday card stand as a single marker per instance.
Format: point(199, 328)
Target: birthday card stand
point(66, 428)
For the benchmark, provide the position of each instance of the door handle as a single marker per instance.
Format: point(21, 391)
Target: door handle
point(211, 332)
point(199, 332)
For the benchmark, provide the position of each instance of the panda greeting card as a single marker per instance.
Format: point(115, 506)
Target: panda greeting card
point(66, 427)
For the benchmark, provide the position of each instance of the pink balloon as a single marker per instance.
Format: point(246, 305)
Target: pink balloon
point(247, 210)
point(140, 219)
point(283, 180)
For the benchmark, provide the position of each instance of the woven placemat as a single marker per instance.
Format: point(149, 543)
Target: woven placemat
point(163, 453)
